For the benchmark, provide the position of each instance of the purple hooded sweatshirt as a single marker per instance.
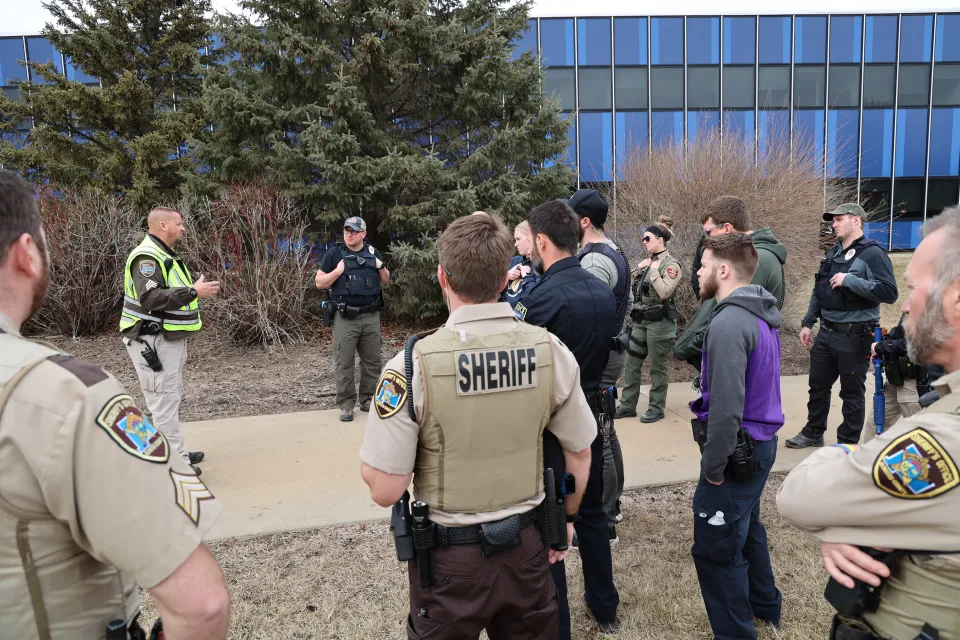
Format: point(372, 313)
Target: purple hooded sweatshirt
point(741, 375)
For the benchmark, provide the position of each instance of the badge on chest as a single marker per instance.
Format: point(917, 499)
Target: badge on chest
point(495, 370)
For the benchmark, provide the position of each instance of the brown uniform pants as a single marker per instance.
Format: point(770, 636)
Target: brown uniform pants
point(510, 594)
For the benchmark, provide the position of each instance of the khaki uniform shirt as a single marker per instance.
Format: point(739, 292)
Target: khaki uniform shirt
point(390, 445)
point(76, 451)
point(898, 490)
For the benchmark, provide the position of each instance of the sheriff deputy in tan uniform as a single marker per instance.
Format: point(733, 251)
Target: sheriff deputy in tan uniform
point(483, 389)
point(91, 500)
point(160, 310)
point(899, 490)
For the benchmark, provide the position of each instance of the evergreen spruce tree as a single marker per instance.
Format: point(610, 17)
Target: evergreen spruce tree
point(127, 135)
point(406, 112)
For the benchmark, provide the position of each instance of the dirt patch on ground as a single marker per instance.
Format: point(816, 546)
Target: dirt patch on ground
point(224, 380)
point(345, 582)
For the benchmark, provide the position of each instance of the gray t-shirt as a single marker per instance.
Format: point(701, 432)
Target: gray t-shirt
point(604, 268)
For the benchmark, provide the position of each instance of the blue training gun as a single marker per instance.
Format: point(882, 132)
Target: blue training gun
point(879, 404)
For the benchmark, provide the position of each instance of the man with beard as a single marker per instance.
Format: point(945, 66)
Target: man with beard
point(85, 481)
point(898, 491)
point(580, 310)
point(854, 278)
point(463, 411)
point(160, 309)
point(738, 415)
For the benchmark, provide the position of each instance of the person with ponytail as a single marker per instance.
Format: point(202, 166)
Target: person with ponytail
point(654, 323)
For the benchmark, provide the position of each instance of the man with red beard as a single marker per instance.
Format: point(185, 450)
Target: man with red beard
point(897, 490)
point(91, 500)
point(738, 415)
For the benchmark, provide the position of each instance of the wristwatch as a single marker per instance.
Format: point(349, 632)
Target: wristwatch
point(193, 292)
point(574, 518)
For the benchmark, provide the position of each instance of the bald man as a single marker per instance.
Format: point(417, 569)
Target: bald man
point(160, 310)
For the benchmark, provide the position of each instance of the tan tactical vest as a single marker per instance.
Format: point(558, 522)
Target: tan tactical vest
point(488, 400)
point(49, 586)
point(922, 588)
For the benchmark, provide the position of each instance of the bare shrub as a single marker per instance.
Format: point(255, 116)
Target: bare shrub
point(88, 235)
point(251, 239)
point(784, 188)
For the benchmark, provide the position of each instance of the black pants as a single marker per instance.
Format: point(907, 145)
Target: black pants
point(838, 355)
point(600, 592)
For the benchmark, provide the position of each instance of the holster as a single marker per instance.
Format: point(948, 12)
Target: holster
point(741, 466)
point(699, 428)
point(894, 370)
point(329, 311)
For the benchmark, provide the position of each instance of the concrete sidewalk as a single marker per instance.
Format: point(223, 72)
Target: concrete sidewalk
point(301, 470)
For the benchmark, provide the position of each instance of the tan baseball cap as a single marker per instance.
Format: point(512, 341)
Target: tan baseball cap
point(849, 209)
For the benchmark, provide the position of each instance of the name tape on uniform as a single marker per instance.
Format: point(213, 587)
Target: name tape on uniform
point(495, 370)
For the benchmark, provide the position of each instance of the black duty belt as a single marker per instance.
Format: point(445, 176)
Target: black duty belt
point(369, 308)
point(848, 327)
point(439, 536)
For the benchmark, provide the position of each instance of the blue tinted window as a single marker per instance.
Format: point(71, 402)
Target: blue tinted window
point(41, 51)
point(667, 127)
point(845, 33)
point(881, 39)
point(739, 124)
point(593, 41)
point(911, 142)
point(948, 38)
point(666, 41)
point(843, 131)
point(945, 142)
point(596, 147)
point(906, 234)
point(700, 122)
point(808, 134)
point(630, 40)
point(11, 51)
point(876, 153)
point(527, 41)
point(74, 74)
point(775, 40)
point(879, 232)
point(739, 40)
point(773, 129)
point(811, 40)
point(556, 42)
point(631, 134)
point(570, 156)
point(703, 40)
point(916, 38)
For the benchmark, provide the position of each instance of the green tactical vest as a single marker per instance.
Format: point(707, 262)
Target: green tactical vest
point(175, 274)
point(926, 591)
point(488, 400)
point(645, 296)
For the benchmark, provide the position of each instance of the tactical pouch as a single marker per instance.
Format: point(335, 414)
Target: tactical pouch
point(741, 467)
point(894, 370)
point(847, 628)
point(669, 312)
point(547, 520)
point(500, 535)
point(350, 312)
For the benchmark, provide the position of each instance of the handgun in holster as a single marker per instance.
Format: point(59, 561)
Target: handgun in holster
point(863, 597)
point(741, 467)
point(401, 528)
point(699, 428)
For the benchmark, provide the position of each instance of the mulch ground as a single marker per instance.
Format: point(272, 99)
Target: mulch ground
point(225, 380)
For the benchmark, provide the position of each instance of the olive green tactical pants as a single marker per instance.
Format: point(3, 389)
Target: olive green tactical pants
point(653, 340)
point(359, 336)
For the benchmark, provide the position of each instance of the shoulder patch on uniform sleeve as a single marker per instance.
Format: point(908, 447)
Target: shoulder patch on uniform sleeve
point(128, 427)
point(87, 372)
point(520, 311)
point(147, 268)
point(673, 272)
point(391, 393)
point(915, 467)
point(190, 491)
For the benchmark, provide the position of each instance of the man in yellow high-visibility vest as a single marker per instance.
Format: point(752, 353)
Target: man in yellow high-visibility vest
point(160, 310)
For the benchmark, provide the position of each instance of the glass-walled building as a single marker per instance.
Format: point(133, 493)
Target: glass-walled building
point(879, 95)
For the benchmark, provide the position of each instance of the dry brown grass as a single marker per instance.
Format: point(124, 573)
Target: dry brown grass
point(345, 582)
point(784, 192)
